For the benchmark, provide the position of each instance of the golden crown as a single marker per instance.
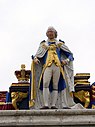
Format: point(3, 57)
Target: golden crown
point(23, 75)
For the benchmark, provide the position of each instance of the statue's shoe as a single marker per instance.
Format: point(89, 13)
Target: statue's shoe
point(53, 107)
point(45, 107)
point(66, 108)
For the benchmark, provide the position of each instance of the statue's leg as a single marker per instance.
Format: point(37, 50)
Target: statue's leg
point(56, 76)
point(46, 80)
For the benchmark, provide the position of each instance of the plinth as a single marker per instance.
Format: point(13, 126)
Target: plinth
point(48, 118)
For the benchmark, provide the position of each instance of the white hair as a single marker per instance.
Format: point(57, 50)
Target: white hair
point(50, 28)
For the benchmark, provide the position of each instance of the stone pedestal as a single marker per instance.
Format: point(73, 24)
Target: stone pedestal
point(48, 118)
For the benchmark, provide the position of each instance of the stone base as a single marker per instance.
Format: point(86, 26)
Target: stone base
point(45, 118)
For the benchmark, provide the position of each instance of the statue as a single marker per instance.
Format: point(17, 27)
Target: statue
point(52, 83)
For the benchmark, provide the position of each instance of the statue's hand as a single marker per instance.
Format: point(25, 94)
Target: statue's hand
point(36, 61)
point(64, 62)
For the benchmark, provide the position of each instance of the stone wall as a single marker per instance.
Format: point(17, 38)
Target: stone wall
point(45, 118)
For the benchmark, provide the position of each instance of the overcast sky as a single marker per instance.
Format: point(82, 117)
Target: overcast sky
point(23, 25)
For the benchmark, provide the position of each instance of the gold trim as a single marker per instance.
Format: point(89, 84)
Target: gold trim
point(31, 103)
point(81, 80)
point(82, 83)
point(19, 84)
point(1, 103)
point(82, 74)
point(33, 89)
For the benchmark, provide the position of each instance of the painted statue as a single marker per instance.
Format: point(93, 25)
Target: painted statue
point(52, 83)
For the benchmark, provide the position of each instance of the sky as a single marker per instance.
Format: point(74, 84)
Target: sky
point(23, 25)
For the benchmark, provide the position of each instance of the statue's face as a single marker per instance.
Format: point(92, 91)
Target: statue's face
point(51, 34)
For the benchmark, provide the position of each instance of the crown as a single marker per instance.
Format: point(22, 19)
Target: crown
point(23, 75)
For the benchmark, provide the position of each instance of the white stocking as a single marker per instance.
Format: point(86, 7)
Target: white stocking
point(45, 96)
point(54, 97)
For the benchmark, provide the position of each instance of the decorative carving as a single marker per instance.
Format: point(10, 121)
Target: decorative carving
point(17, 97)
point(83, 96)
point(82, 88)
point(93, 96)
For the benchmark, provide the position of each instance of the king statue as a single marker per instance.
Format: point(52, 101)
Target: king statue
point(52, 82)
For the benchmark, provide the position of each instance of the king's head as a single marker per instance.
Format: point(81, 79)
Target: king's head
point(51, 33)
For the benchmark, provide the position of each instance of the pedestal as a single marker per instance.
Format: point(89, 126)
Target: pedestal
point(48, 118)
point(24, 88)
